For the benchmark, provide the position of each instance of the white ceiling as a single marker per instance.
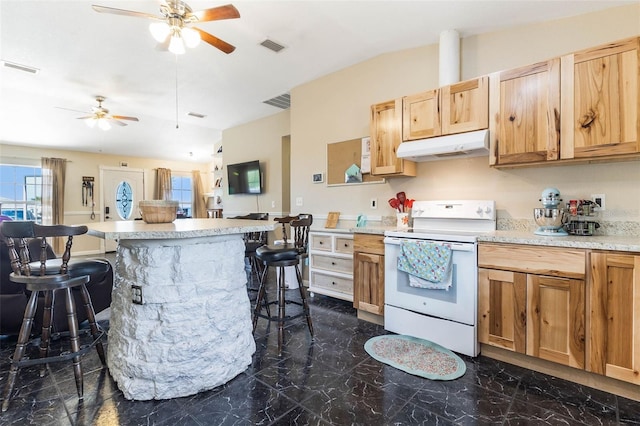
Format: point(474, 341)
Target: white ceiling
point(82, 53)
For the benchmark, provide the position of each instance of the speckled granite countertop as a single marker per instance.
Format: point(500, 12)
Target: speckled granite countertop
point(600, 242)
point(179, 228)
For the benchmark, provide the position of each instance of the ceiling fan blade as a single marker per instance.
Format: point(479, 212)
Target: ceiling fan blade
point(74, 110)
point(122, 117)
point(215, 41)
point(214, 14)
point(85, 118)
point(119, 123)
point(113, 10)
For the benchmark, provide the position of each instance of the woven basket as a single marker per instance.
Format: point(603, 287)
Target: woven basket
point(158, 211)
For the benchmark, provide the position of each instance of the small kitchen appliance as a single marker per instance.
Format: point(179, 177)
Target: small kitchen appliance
point(581, 217)
point(550, 218)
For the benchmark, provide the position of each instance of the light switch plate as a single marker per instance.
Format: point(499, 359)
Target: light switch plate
point(299, 201)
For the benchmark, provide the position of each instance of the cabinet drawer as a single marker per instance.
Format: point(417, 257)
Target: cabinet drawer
point(560, 262)
point(321, 242)
point(343, 285)
point(344, 245)
point(369, 243)
point(332, 263)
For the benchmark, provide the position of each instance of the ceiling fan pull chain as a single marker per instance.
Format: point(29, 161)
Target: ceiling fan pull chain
point(177, 126)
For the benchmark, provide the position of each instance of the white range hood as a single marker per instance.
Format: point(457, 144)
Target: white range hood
point(461, 145)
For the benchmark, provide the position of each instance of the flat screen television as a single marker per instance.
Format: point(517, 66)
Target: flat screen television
point(244, 178)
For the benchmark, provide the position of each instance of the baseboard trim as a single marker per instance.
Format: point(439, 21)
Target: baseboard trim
point(592, 380)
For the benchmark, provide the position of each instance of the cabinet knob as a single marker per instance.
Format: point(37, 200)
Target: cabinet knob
point(333, 263)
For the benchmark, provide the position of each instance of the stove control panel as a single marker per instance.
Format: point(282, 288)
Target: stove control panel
point(455, 209)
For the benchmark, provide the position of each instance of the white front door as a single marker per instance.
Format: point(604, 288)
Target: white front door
point(122, 189)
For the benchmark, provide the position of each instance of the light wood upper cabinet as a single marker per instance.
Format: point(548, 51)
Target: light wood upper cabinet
point(524, 111)
point(600, 101)
point(531, 300)
point(614, 348)
point(386, 129)
point(421, 116)
point(465, 106)
point(368, 273)
point(457, 108)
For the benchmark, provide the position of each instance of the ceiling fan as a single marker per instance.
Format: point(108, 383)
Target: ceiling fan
point(100, 116)
point(173, 28)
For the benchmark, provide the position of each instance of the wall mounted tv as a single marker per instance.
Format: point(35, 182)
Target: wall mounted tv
point(244, 178)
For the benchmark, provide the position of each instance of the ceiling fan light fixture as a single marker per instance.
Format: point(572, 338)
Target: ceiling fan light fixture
point(159, 31)
point(191, 37)
point(176, 45)
point(91, 122)
point(103, 124)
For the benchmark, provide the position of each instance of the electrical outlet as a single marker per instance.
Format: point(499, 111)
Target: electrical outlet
point(273, 204)
point(374, 203)
point(299, 201)
point(599, 200)
point(136, 294)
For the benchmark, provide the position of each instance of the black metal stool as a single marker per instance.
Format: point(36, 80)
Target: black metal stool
point(48, 277)
point(280, 256)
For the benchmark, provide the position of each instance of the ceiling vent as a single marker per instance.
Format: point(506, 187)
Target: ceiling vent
point(20, 67)
point(196, 115)
point(272, 45)
point(282, 101)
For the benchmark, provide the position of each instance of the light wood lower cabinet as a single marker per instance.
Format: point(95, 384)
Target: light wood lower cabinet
point(532, 301)
point(368, 273)
point(614, 344)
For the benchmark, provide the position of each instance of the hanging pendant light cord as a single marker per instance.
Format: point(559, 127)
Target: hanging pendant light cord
point(177, 126)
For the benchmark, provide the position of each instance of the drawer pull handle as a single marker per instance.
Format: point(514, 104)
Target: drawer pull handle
point(320, 243)
point(333, 263)
point(346, 244)
point(333, 283)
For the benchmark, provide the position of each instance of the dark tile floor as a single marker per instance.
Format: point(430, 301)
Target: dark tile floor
point(330, 380)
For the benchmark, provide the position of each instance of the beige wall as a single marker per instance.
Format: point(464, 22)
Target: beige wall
point(260, 140)
point(88, 164)
point(336, 107)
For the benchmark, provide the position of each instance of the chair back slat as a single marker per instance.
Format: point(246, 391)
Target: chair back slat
point(300, 230)
point(17, 233)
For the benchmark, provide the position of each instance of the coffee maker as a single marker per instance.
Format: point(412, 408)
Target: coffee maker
point(550, 218)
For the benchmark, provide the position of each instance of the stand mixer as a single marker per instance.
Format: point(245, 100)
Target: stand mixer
point(550, 218)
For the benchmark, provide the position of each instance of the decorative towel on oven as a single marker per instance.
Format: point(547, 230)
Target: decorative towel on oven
point(428, 264)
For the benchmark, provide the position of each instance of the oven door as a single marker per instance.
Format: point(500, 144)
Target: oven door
point(458, 303)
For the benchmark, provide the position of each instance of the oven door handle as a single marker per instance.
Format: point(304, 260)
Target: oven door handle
point(395, 241)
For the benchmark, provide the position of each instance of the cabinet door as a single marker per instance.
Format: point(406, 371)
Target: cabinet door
point(502, 309)
point(368, 283)
point(386, 128)
point(556, 319)
point(614, 344)
point(524, 107)
point(421, 116)
point(465, 106)
point(600, 101)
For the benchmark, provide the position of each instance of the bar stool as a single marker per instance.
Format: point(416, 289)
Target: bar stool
point(48, 277)
point(253, 240)
point(280, 256)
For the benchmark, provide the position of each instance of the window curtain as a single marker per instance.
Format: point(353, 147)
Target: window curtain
point(163, 184)
point(199, 206)
point(53, 181)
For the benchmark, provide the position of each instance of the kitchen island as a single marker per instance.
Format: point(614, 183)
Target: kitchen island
point(180, 315)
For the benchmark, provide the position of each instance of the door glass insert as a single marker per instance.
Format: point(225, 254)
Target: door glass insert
point(124, 200)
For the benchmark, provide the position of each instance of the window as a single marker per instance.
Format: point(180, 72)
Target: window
point(181, 192)
point(124, 203)
point(21, 192)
